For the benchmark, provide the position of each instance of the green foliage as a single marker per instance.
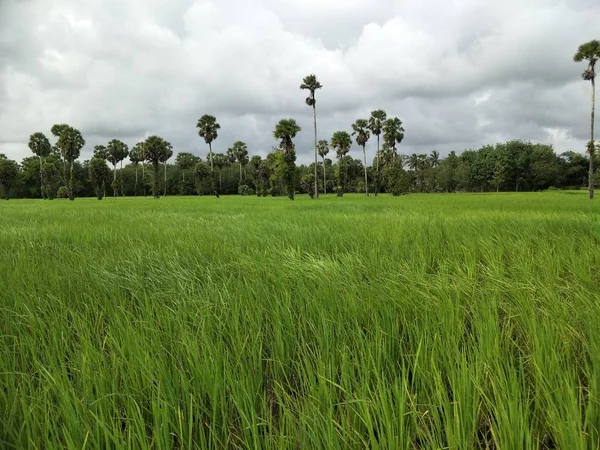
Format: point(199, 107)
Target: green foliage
point(393, 133)
point(99, 175)
point(70, 142)
point(341, 143)
point(62, 192)
point(9, 170)
point(285, 131)
point(155, 151)
point(311, 84)
point(244, 189)
point(100, 151)
point(40, 145)
point(376, 122)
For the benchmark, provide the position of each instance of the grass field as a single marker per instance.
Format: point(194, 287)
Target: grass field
point(425, 321)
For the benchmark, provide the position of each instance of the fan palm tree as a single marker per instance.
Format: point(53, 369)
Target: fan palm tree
point(239, 153)
point(361, 131)
point(341, 143)
point(323, 149)
point(393, 133)
point(70, 142)
point(221, 161)
point(311, 83)
point(155, 150)
point(208, 128)
point(99, 175)
point(376, 121)
point(285, 131)
point(41, 147)
point(590, 51)
point(117, 152)
point(135, 156)
point(168, 153)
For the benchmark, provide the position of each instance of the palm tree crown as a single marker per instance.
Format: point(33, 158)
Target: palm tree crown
point(393, 132)
point(311, 83)
point(589, 51)
point(361, 131)
point(40, 145)
point(285, 131)
point(376, 121)
point(323, 148)
point(208, 128)
point(341, 142)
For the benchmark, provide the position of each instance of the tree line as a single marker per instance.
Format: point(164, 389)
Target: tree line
point(514, 165)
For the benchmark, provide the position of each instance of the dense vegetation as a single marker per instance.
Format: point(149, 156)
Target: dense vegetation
point(423, 321)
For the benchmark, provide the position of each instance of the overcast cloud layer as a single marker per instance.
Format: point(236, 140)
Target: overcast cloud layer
point(459, 73)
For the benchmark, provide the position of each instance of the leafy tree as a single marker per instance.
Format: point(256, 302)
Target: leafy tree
point(100, 151)
point(117, 152)
point(155, 151)
point(167, 154)
point(70, 141)
point(590, 51)
point(41, 147)
point(361, 131)
point(9, 170)
point(341, 143)
point(323, 149)
point(185, 161)
point(376, 121)
point(99, 175)
point(239, 153)
point(136, 156)
point(285, 131)
point(203, 177)
point(221, 161)
point(311, 84)
point(393, 134)
point(50, 175)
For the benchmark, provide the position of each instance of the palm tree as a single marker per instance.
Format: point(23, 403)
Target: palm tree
point(99, 175)
point(168, 153)
point(341, 142)
point(221, 161)
point(208, 128)
point(70, 142)
point(361, 131)
point(239, 153)
point(285, 131)
point(155, 150)
point(323, 149)
point(378, 117)
point(135, 156)
point(311, 84)
point(117, 152)
point(41, 147)
point(590, 51)
point(434, 158)
point(185, 161)
point(393, 133)
point(100, 151)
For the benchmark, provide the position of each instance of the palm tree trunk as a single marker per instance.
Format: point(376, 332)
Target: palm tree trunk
point(42, 190)
point(71, 179)
point(316, 153)
point(115, 179)
point(240, 174)
point(366, 178)
point(136, 180)
point(324, 178)
point(377, 169)
point(211, 156)
point(155, 192)
point(121, 179)
point(144, 178)
point(165, 190)
point(592, 143)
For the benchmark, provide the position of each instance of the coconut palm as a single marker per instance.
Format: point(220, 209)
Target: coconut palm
point(311, 84)
point(323, 149)
point(41, 147)
point(376, 121)
point(117, 152)
point(393, 134)
point(341, 143)
point(155, 150)
point(285, 131)
point(434, 158)
point(361, 131)
point(590, 51)
point(208, 128)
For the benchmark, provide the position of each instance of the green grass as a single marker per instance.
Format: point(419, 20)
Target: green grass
point(425, 321)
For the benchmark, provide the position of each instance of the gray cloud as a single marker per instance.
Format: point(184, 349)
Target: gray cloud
point(459, 74)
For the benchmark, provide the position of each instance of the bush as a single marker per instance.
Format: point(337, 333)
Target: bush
point(244, 189)
point(62, 192)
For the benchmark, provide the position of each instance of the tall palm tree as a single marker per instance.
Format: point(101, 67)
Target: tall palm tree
point(590, 51)
point(361, 131)
point(167, 154)
point(285, 131)
point(393, 134)
point(376, 121)
point(311, 83)
point(41, 147)
point(155, 150)
point(239, 153)
point(117, 152)
point(341, 142)
point(323, 149)
point(221, 161)
point(70, 142)
point(135, 156)
point(434, 158)
point(208, 128)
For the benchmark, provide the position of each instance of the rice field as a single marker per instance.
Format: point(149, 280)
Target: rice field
point(425, 321)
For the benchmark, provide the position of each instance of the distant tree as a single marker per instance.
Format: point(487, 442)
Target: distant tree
point(285, 131)
point(434, 158)
point(50, 175)
point(70, 141)
point(100, 151)
point(221, 161)
point(590, 51)
point(9, 170)
point(99, 175)
point(136, 157)
point(41, 147)
point(393, 134)
point(208, 128)
point(341, 143)
point(361, 131)
point(376, 121)
point(323, 149)
point(185, 161)
point(117, 152)
point(202, 175)
point(311, 84)
point(155, 150)
point(239, 153)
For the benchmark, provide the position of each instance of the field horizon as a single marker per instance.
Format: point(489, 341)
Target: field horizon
point(421, 321)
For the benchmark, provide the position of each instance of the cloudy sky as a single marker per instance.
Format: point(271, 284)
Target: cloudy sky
point(459, 73)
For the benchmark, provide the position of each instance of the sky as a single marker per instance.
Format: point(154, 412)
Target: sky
point(458, 73)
